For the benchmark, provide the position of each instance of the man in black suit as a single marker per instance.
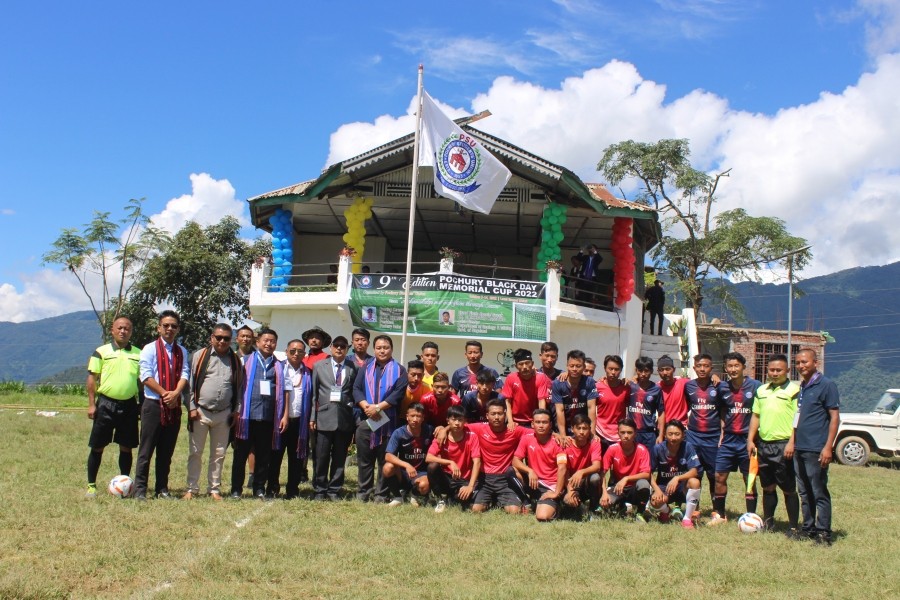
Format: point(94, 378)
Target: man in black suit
point(332, 418)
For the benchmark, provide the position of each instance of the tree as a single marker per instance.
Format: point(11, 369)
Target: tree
point(111, 251)
point(697, 243)
point(204, 274)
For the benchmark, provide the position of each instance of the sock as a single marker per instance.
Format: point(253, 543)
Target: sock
point(393, 485)
point(93, 465)
point(124, 462)
point(770, 503)
point(693, 502)
point(719, 504)
point(751, 500)
point(792, 504)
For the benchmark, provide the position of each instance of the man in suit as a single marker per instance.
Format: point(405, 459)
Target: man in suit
point(332, 418)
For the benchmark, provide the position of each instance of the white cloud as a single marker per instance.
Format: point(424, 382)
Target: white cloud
point(45, 293)
point(7, 211)
point(210, 200)
point(882, 25)
point(829, 168)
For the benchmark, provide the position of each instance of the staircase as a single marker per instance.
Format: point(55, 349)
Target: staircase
point(654, 346)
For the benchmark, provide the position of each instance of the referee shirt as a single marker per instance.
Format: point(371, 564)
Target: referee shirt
point(118, 369)
point(776, 406)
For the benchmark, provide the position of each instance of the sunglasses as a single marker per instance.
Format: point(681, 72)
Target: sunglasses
point(339, 346)
point(222, 338)
point(294, 351)
point(169, 326)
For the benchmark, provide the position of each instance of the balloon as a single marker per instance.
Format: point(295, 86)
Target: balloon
point(288, 254)
point(542, 276)
point(276, 254)
point(554, 220)
point(558, 236)
point(542, 264)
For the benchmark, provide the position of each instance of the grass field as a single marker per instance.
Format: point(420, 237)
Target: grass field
point(56, 544)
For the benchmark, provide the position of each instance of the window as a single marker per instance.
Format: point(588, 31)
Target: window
point(764, 351)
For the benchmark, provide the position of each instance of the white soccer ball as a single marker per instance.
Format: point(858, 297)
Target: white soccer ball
point(121, 486)
point(750, 523)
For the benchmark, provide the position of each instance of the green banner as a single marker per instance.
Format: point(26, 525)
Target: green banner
point(449, 305)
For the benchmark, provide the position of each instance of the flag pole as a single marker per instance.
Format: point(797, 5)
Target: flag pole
point(412, 216)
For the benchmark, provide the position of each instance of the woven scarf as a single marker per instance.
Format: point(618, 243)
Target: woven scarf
point(305, 391)
point(200, 375)
point(169, 376)
point(242, 425)
point(388, 377)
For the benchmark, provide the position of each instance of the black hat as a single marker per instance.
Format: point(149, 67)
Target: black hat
point(326, 339)
point(522, 354)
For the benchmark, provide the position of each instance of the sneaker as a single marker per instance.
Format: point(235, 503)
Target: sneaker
point(235, 495)
point(91, 491)
point(716, 519)
point(395, 502)
point(163, 495)
point(639, 518)
point(440, 507)
point(687, 524)
point(677, 513)
point(416, 501)
point(822, 538)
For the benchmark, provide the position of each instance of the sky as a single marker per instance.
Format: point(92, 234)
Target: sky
point(198, 106)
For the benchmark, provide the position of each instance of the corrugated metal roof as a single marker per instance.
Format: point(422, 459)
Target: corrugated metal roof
point(602, 193)
point(297, 188)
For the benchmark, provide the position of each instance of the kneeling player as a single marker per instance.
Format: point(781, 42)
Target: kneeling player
point(454, 464)
point(584, 460)
point(404, 459)
point(498, 444)
point(675, 462)
point(628, 465)
point(541, 460)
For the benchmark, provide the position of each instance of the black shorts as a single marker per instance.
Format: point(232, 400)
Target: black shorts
point(495, 489)
point(774, 468)
point(534, 495)
point(115, 421)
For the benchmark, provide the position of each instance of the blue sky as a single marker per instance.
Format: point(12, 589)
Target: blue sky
point(197, 106)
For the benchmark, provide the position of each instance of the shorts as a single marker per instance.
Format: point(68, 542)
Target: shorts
point(680, 495)
point(732, 455)
point(115, 421)
point(494, 488)
point(646, 438)
point(706, 453)
point(774, 468)
point(532, 495)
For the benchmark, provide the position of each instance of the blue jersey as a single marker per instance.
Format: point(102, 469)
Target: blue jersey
point(736, 406)
point(667, 466)
point(644, 407)
point(703, 418)
point(463, 380)
point(474, 412)
point(408, 448)
point(573, 402)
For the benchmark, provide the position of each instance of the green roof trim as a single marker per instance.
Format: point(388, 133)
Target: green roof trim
point(311, 192)
point(575, 184)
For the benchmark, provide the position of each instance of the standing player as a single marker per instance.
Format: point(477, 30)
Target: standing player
point(590, 367)
point(112, 388)
point(774, 408)
point(584, 461)
point(475, 403)
point(814, 434)
point(577, 395)
point(612, 400)
point(628, 465)
point(677, 478)
point(548, 357)
point(735, 407)
point(404, 460)
point(465, 379)
point(359, 339)
point(645, 405)
point(430, 357)
point(704, 421)
point(541, 462)
point(455, 463)
point(674, 402)
point(416, 388)
point(439, 400)
point(498, 444)
point(524, 391)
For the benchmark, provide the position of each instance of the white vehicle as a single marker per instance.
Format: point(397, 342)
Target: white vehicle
point(862, 433)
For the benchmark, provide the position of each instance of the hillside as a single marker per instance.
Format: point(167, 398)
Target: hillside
point(35, 350)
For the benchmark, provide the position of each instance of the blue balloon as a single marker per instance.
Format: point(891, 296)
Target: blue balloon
point(278, 271)
point(287, 253)
point(277, 254)
point(273, 221)
point(276, 243)
point(284, 287)
point(285, 242)
point(285, 263)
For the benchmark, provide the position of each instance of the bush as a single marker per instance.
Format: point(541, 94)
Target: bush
point(12, 387)
point(46, 389)
point(74, 389)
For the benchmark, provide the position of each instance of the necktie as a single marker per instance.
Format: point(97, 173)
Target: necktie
point(337, 375)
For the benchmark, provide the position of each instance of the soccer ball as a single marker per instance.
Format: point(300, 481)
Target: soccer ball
point(750, 523)
point(120, 486)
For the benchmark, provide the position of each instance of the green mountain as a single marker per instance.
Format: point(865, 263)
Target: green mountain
point(36, 350)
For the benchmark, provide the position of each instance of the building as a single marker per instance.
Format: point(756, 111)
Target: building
point(756, 345)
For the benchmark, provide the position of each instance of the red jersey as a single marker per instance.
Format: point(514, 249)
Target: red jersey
point(615, 461)
point(524, 395)
point(497, 449)
point(310, 359)
point(674, 402)
point(612, 403)
point(542, 458)
point(436, 412)
point(463, 453)
point(582, 458)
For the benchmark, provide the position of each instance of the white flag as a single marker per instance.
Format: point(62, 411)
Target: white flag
point(464, 170)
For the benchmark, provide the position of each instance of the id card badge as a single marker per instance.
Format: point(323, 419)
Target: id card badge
point(335, 394)
point(265, 387)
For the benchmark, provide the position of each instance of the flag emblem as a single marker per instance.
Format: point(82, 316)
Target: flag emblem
point(459, 164)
